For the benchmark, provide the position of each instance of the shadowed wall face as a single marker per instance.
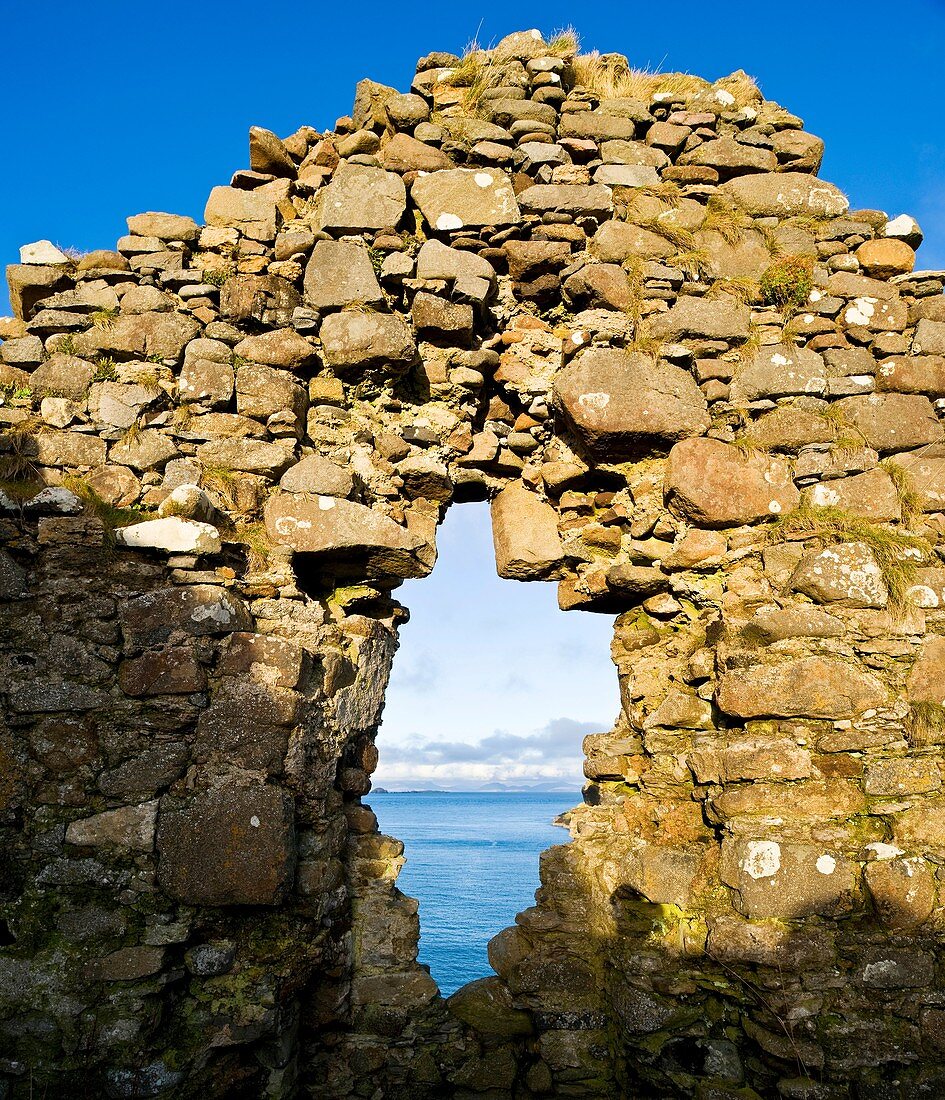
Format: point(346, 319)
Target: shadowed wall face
point(701, 395)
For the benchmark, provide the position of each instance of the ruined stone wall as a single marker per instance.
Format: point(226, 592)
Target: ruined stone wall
point(702, 395)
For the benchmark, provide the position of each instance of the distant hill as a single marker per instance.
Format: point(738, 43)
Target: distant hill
point(547, 786)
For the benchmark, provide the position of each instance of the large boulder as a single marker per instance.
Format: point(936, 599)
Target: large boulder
point(708, 318)
point(780, 370)
point(578, 199)
point(340, 274)
point(463, 197)
point(361, 198)
point(786, 195)
point(525, 535)
point(234, 845)
point(892, 421)
point(350, 536)
point(358, 338)
point(846, 575)
point(716, 485)
point(805, 687)
point(619, 403)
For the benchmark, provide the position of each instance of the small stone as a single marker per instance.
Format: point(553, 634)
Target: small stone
point(127, 827)
point(42, 252)
point(885, 257)
point(268, 154)
point(166, 227)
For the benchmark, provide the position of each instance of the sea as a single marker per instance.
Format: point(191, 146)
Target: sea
point(472, 863)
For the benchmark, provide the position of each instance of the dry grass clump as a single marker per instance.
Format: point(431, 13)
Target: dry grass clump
point(895, 552)
point(926, 723)
point(608, 76)
point(741, 287)
point(741, 87)
point(482, 69)
point(18, 452)
point(910, 499)
point(726, 218)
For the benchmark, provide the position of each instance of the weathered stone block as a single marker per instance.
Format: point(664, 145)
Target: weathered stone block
point(790, 881)
point(715, 485)
point(196, 610)
point(340, 529)
point(127, 827)
point(525, 535)
point(810, 687)
point(231, 845)
point(466, 197)
point(845, 574)
point(360, 198)
point(620, 402)
point(354, 339)
point(785, 195)
point(340, 274)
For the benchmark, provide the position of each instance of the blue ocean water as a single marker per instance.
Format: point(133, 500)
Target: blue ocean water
point(472, 863)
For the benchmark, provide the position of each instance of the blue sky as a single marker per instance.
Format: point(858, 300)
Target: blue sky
point(115, 108)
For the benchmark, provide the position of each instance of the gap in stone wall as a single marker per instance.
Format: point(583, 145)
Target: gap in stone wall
point(492, 692)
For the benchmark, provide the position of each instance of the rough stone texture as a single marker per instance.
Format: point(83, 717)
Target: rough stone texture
point(525, 534)
point(784, 194)
point(619, 403)
point(361, 198)
point(230, 846)
point(461, 197)
point(714, 485)
point(195, 899)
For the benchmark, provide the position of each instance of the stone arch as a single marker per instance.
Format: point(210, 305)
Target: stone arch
point(699, 390)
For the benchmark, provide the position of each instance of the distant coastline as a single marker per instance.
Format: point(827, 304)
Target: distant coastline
point(490, 789)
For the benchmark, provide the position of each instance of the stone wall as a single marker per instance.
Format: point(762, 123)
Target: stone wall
point(702, 395)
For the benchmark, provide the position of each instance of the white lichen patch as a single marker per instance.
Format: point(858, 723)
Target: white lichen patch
point(483, 179)
point(763, 859)
point(596, 401)
point(826, 864)
point(449, 221)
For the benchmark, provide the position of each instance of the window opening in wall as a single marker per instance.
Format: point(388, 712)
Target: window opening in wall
point(492, 692)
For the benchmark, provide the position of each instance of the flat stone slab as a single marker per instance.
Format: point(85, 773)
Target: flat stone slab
point(466, 197)
point(786, 194)
point(589, 199)
point(361, 198)
point(172, 534)
point(339, 529)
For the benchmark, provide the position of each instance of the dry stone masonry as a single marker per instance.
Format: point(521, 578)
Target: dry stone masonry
point(703, 396)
